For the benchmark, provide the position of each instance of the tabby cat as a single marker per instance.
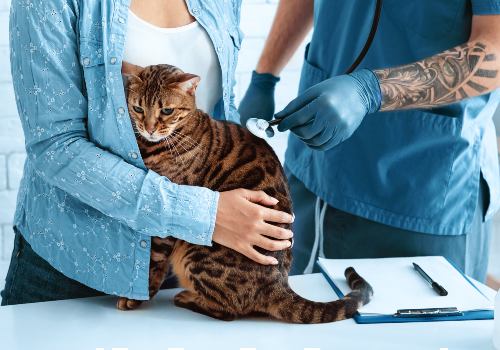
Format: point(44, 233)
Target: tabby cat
point(181, 142)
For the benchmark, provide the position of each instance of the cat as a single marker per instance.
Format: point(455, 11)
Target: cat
point(190, 148)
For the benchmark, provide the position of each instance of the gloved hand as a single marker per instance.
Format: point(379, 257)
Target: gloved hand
point(328, 113)
point(258, 101)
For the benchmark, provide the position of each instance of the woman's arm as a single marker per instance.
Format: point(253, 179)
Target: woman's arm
point(48, 86)
point(53, 108)
point(468, 70)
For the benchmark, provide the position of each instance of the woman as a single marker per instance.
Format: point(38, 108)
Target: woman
point(87, 206)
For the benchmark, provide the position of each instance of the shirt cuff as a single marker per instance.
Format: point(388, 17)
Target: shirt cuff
point(194, 214)
point(180, 211)
point(486, 7)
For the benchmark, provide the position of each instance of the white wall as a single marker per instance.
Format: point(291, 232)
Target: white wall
point(256, 19)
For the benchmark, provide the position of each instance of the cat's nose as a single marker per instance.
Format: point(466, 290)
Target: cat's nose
point(151, 129)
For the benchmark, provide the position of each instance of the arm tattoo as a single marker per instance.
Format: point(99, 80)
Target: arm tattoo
point(464, 71)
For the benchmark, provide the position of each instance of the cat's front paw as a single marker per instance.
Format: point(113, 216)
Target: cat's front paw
point(125, 304)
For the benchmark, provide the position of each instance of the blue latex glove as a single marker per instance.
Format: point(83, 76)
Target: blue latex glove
point(328, 113)
point(258, 101)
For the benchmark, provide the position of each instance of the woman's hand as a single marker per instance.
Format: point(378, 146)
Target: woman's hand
point(241, 223)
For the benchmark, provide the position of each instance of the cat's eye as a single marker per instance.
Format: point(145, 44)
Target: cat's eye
point(138, 109)
point(167, 111)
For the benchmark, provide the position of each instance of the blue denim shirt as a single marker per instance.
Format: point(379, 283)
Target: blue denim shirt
point(87, 204)
point(417, 169)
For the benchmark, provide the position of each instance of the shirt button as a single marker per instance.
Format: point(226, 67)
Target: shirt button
point(121, 110)
point(134, 155)
point(86, 61)
point(196, 11)
point(121, 20)
point(113, 60)
point(219, 49)
point(225, 94)
point(144, 244)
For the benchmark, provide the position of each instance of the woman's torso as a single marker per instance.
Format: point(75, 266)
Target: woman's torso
point(93, 248)
point(187, 47)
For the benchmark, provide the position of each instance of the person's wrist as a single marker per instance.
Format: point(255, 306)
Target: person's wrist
point(258, 101)
point(369, 89)
point(264, 80)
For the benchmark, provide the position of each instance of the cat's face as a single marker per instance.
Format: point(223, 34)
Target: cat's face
point(160, 99)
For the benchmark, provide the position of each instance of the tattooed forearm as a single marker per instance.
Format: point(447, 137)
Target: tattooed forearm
point(464, 71)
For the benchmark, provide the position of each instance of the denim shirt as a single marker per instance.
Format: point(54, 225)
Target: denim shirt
point(87, 204)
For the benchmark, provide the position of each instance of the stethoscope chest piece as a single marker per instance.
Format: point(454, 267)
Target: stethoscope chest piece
point(260, 128)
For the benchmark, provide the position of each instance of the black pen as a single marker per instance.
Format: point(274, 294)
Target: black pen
point(436, 286)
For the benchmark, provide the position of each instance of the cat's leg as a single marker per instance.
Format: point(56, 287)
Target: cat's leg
point(194, 302)
point(158, 268)
point(157, 273)
point(125, 304)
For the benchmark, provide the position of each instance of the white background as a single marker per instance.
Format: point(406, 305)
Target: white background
point(257, 16)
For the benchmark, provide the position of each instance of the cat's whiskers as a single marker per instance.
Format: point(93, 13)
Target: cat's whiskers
point(175, 138)
point(190, 145)
point(170, 148)
point(169, 143)
point(187, 139)
point(178, 138)
point(172, 143)
point(177, 132)
point(185, 149)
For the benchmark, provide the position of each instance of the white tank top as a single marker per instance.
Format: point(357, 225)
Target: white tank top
point(188, 47)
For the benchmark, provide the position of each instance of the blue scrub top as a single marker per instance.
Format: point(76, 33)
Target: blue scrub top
point(414, 169)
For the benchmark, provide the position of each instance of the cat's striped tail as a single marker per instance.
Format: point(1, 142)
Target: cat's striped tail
point(290, 307)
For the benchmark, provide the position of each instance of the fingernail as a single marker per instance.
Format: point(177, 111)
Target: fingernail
point(274, 261)
point(275, 201)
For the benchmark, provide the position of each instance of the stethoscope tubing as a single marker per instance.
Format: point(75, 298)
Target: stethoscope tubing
point(275, 121)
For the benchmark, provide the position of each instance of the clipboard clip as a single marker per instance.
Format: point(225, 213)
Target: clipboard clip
point(431, 312)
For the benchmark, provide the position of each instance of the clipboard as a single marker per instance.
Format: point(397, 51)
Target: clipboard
point(420, 313)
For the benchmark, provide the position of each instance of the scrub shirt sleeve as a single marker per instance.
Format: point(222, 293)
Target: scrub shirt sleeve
point(485, 7)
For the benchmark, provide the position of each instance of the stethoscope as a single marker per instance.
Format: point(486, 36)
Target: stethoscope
point(264, 129)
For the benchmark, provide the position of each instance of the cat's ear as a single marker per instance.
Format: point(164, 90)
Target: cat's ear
point(188, 82)
point(130, 73)
point(129, 79)
point(132, 69)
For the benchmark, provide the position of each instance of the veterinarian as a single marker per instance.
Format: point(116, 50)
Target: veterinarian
point(87, 206)
point(399, 157)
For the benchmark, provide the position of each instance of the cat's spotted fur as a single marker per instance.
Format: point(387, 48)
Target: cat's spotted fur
point(190, 148)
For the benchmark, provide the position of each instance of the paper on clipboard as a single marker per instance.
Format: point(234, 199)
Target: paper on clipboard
point(397, 285)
